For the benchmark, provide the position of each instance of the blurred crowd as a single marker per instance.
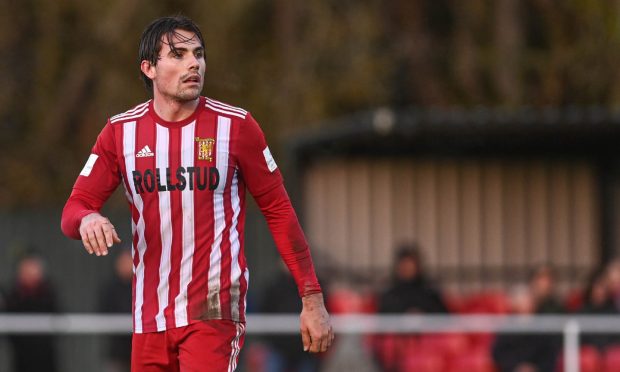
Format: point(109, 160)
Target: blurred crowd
point(412, 291)
point(31, 291)
point(409, 291)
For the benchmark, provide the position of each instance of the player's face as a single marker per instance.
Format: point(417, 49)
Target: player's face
point(179, 72)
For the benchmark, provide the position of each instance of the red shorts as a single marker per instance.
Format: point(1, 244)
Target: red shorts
point(211, 345)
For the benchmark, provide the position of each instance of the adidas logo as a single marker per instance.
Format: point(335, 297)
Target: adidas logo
point(145, 152)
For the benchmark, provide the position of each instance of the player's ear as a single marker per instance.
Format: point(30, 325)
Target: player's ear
point(147, 69)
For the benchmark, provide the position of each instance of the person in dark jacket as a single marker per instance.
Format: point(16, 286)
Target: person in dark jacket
point(285, 351)
point(411, 291)
point(116, 298)
point(524, 352)
point(598, 301)
point(542, 286)
point(32, 292)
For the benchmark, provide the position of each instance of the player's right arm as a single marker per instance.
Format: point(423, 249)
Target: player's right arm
point(99, 178)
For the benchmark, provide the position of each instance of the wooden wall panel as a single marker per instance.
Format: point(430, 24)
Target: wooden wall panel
point(448, 205)
point(360, 215)
point(382, 237)
point(537, 213)
point(493, 227)
point(314, 194)
point(489, 221)
point(586, 215)
point(403, 200)
point(471, 221)
point(559, 209)
point(336, 214)
point(514, 218)
point(426, 213)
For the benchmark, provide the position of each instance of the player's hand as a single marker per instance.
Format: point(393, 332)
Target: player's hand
point(98, 234)
point(316, 329)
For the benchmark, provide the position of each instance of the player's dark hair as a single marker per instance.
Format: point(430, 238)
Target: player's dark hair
point(150, 42)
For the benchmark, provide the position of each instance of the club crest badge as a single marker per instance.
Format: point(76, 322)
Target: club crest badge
point(205, 148)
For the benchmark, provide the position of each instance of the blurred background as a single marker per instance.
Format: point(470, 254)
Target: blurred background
point(449, 153)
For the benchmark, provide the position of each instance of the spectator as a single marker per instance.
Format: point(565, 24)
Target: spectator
point(285, 352)
point(598, 301)
point(597, 296)
point(524, 352)
point(411, 291)
point(32, 292)
point(116, 298)
point(612, 274)
point(542, 287)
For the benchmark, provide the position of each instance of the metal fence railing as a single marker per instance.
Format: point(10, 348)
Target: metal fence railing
point(570, 326)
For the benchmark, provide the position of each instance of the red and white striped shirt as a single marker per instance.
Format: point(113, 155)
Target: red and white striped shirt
point(185, 182)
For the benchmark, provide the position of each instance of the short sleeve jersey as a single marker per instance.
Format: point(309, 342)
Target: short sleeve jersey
point(185, 183)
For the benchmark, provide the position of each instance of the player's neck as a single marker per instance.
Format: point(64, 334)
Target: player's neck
point(174, 110)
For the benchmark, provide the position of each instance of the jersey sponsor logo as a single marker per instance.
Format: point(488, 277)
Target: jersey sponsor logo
point(145, 152)
point(190, 178)
point(90, 163)
point(271, 163)
point(205, 148)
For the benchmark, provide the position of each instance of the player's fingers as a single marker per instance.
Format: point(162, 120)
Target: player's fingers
point(92, 240)
point(316, 341)
point(317, 345)
point(115, 236)
point(324, 341)
point(87, 245)
point(100, 239)
point(305, 339)
point(108, 233)
point(329, 337)
point(99, 233)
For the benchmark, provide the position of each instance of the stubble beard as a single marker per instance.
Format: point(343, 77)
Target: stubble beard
point(187, 94)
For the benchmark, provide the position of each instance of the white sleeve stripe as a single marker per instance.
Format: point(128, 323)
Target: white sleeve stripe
point(130, 116)
point(132, 111)
point(226, 106)
point(222, 111)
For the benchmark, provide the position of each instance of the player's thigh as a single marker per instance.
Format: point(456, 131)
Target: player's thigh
point(212, 345)
point(151, 352)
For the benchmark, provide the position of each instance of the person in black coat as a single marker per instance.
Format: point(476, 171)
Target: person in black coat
point(411, 291)
point(116, 298)
point(542, 286)
point(32, 292)
point(285, 351)
point(520, 352)
point(598, 301)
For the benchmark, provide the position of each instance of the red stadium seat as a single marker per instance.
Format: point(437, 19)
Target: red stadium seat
point(611, 359)
point(256, 357)
point(590, 360)
point(446, 345)
point(456, 303)
point(574, 301)
point(474, 361)
point(345, 300)
point(422, 362)
point(390, 349)
point(482, 341)
point(487, 303)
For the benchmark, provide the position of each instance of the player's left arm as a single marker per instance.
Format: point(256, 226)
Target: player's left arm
point(316, 330)
point(265, 183)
